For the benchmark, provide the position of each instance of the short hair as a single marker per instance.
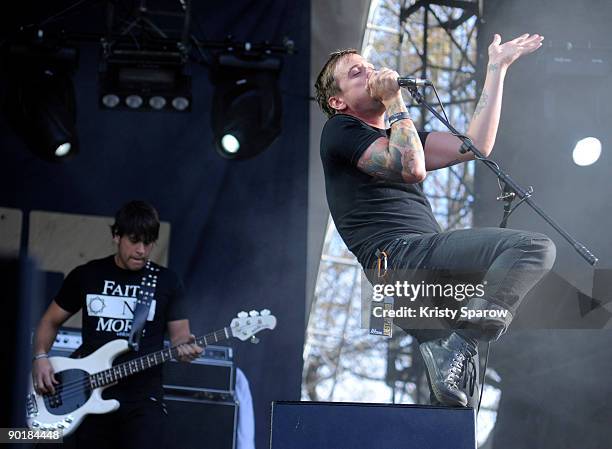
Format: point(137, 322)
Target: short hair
point(137, 219)
point(326, 85)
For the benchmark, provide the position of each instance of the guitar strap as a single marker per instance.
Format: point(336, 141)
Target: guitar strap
point(144, 298)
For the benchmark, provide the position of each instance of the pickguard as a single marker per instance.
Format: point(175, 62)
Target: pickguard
point(71, 393)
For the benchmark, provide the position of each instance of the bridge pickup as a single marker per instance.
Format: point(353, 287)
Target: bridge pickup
point(55, 400)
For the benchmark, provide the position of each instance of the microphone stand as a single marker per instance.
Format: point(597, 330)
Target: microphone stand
point(511, 188)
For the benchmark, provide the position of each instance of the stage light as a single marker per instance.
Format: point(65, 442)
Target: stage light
point(63, 149)
point(246, 108)
point(144, 81)
point(144, 57)
point(110, 100)
point(180, 103)
point(157, 102)
point(50, 115)
point(587, 151)
point(230, 144)
point(41, 106)
point(133, 101)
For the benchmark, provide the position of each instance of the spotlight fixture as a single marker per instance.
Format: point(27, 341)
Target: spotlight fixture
point(157, 102)
point(133, 101)
point(230, 144)
point(587, 151)
point(246, 108)
point(180, 103)
point(41, 106)
point(110, 100)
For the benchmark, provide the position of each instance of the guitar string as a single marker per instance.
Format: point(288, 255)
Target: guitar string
point(113, 373)
point(75, 387)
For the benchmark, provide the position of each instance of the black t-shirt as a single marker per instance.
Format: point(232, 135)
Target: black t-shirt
point(107, 295)
point(368, 211)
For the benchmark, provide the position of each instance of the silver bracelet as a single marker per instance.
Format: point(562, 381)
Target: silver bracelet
point(42, 355)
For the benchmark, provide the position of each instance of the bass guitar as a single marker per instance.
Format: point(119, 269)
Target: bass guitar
point(81, 381)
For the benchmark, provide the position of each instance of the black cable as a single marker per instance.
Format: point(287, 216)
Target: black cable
point(484, 377)
point(440, 102)
point(485, 160)
point(205, 60)
point(516, 206)
point(59, 14)
point(22, 28)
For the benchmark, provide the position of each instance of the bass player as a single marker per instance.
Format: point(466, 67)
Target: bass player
point(107, 290)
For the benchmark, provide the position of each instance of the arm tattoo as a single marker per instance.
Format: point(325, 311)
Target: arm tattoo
point(377, 163)
point(484, 99)
point(493, 67)
point(394, 160)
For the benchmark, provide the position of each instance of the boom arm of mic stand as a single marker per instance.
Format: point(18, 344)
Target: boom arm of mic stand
point(506, 180)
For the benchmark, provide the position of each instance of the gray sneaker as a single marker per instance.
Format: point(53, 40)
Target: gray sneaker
point(446, 361)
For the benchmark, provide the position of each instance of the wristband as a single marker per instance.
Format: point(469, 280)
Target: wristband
point(393, 118)
point(42, 355)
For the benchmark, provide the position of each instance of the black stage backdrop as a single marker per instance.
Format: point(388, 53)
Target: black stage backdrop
point(554, 382)
point(238, 227)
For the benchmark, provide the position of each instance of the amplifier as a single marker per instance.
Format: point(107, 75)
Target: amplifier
point(210, 376)
point(66, 342)
point(196, 424)
point(203, 378)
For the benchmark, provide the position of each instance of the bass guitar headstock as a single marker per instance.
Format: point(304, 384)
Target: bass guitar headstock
point(246, 325)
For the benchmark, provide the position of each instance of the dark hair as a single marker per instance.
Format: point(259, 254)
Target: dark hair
point(326, 85)
point(137, 219)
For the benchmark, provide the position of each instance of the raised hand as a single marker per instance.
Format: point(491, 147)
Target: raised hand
point(502, 55)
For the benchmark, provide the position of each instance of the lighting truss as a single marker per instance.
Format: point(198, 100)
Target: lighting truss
point(144, 60)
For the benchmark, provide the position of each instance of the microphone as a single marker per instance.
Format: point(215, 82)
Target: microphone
point(412, 81)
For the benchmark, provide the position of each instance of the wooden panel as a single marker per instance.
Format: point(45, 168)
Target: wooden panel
point(10, 231)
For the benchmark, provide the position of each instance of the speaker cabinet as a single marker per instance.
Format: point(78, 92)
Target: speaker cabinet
point(214, 376)
point(329, 425)
point(196, 423)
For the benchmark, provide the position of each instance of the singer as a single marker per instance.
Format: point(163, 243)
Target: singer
point(373, 178)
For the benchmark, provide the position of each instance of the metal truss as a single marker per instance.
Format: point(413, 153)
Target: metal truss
point(434, 39)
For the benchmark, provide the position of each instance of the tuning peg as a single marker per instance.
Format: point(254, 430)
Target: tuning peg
point(242, 314)
point(254, 340)
point(265, 312)
point(253, 313)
